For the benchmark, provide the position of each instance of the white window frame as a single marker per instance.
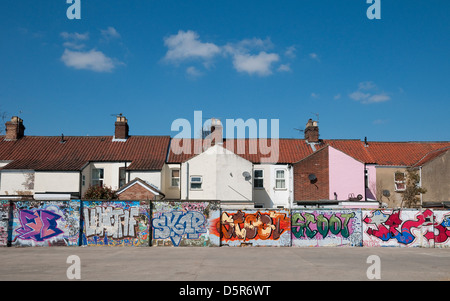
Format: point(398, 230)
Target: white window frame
point(283, 179)
point(99, 179)
point(196, 182)
point(258, 178)
point(397, 182)
point(172, 177)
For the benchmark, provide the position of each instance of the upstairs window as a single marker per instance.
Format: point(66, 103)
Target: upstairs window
point(122, 176)
point(280, 181)
point(258, 178)
point(175, 178)
point(97, 177)
point(196, 182)
point(400, 181)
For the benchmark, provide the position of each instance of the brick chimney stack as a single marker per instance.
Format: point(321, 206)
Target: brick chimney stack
point(121, 131)
point(14, 129)
point(216, 132)
point(312, 131)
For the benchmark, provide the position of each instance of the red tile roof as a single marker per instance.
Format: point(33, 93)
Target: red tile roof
point(294, 150)
point(150, 152)
point(254, 150)
point(49, 153)
point(431, 155)
point(401, 153)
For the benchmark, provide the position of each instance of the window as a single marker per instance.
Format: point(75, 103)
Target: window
point(196, 182)
point(400, 181)
point(122, 176)
point(97, 177)
point(175, 178)
point(258, 178)
point(280, 181)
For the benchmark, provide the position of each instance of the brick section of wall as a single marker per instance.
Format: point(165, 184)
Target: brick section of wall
point(136, 192)
point(316, 164)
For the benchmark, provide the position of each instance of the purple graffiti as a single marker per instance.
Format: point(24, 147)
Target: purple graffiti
point(38, 225)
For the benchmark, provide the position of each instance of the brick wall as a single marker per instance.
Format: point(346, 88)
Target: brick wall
point(316, 164)
point(137, 192)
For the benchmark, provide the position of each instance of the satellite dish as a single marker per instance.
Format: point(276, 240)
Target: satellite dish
point(246, 175)
point(386, 193)
point(312, 177)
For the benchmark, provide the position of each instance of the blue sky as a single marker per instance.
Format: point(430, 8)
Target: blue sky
point(157, 61)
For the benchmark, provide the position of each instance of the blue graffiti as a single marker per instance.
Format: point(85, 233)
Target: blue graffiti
point(175, 224)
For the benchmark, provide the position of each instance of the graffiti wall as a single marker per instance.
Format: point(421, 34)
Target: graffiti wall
point(199, 224)
point(318, 228)
point(4, 223)
point(116, 223)
point(396, 228)
point(255, 228)
point(185, 223)
point(436, 229)
point(49, 223)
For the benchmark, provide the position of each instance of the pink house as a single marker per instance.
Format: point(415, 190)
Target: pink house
point(331, 174)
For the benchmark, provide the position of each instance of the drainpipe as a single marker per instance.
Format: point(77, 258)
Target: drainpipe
point(187, 181)
point(420, 183)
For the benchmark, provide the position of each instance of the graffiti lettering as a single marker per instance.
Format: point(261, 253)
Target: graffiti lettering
point(118, 223)
point(302, 224)
point(175, 224)
point(251, 226)
point(390, 226)
point(38, 225)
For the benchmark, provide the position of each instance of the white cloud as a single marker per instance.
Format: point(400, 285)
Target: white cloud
point(255, 64)
point(370, 94)
point(284, 68)
point(75, 57)
point(251, 56)
point(186, 45)
point(290, 52)
point(314, 95)
point(110, 33)
point(193, 72)
point(89, 60)
point(244, 61)
point(75, 36)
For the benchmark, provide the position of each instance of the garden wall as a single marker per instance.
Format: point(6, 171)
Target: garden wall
point(205, 224)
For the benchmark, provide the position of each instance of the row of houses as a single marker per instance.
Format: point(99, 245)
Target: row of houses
point(240, 173)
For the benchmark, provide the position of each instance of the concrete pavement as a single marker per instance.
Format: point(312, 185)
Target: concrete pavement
point(224, 264)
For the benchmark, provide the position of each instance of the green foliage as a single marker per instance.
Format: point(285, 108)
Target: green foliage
point(100, 193)
point(411, 195)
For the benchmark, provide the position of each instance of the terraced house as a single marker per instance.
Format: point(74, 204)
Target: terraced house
point(240, 173)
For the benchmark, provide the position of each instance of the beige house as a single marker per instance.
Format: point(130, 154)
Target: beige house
point(50, 167)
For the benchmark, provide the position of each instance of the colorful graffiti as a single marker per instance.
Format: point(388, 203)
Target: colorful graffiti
point(38, 225)
point(437, 231)
point(4, 223)
point(257, 228)
point(172, 223)
point(184, 223)
point(395, 227)
point(51, 223)
point(116, 223)
point(326, 227)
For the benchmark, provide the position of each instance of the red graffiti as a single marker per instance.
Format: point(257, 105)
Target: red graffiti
point(242, 226)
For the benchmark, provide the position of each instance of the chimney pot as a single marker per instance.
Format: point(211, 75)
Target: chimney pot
point(14, 129)
point(312, 131)
point(121, 127)
point(216, 131)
